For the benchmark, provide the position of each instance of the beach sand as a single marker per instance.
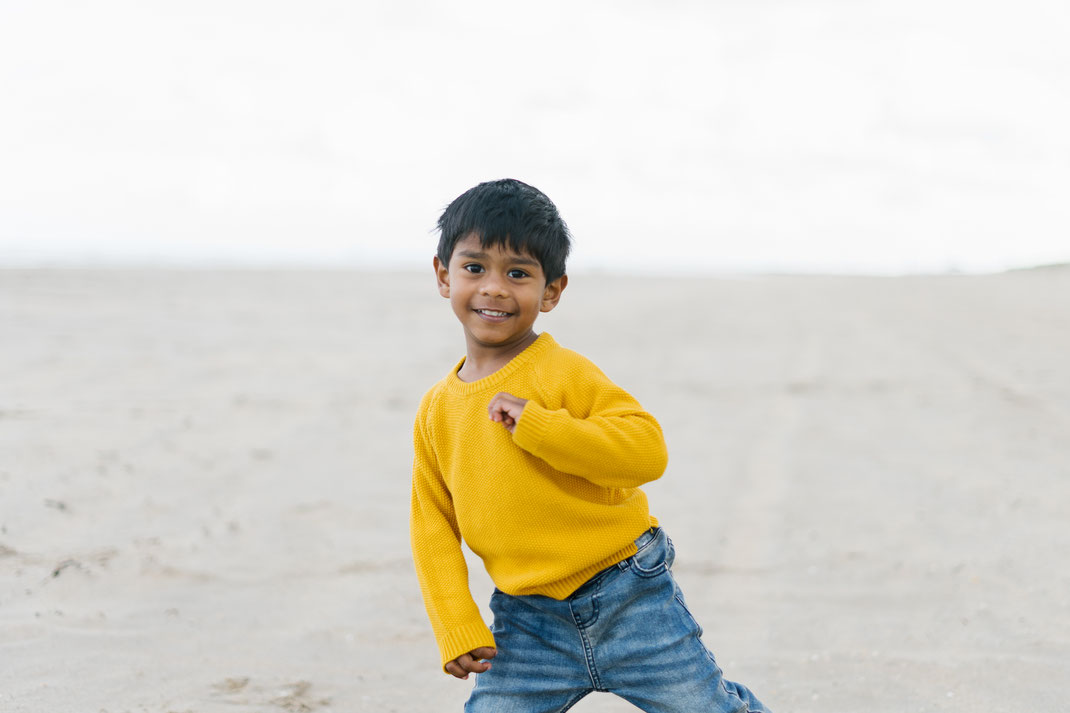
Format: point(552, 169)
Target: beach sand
point(204, 485)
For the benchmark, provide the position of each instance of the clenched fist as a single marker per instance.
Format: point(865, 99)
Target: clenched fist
point(471, 662)
point(506, 409)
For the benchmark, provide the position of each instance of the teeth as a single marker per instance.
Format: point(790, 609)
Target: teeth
point(493, 313)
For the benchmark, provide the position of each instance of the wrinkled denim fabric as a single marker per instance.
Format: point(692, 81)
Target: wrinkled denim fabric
point(626, 631)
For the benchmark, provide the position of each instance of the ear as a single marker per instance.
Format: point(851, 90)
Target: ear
point(442, 275)
point(552, 294)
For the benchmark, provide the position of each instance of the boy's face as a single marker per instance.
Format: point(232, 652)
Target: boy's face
point(496, 293)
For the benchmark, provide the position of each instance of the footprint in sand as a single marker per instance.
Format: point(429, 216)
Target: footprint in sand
point(294, 697)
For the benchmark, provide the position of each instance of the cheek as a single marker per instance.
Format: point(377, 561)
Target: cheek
point(459, 298)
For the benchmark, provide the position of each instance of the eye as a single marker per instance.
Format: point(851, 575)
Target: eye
point(518, 274)
point(473, 267)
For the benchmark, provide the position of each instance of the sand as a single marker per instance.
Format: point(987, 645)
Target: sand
point(204, 482)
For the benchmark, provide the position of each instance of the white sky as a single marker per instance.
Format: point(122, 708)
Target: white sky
point(725, 136)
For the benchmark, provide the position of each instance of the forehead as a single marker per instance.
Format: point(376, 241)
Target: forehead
point(471, 247)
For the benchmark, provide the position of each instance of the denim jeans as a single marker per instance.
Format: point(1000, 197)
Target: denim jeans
point(626, 630)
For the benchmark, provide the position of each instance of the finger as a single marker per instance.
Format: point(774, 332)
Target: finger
point(501, 401)
point(471, 665)
point(464, 665)
point(500, 416)
point(479, 666)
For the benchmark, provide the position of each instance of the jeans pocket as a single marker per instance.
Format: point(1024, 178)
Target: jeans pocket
point(655, 558)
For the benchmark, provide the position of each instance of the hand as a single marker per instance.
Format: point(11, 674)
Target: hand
point(470, 662)
point(506, 409)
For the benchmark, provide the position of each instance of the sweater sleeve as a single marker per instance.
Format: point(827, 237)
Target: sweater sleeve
point(440, 565)
point(603, 436)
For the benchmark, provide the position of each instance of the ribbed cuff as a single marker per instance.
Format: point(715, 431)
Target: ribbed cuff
point(532, 427)
point(464, 639)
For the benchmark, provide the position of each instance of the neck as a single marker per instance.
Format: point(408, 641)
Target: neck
point(482, 360)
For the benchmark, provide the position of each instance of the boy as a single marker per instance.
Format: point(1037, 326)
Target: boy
point(528, 453)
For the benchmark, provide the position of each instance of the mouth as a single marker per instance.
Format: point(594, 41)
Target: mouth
point(493, 315)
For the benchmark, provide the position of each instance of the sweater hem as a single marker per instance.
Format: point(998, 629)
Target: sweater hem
point(562, 588)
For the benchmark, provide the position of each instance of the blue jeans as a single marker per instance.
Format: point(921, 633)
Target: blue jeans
point(626, 631)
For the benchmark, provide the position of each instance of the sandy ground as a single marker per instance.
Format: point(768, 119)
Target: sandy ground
point(204, 482)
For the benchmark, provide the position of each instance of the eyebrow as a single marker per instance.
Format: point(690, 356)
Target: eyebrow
point(518, 259)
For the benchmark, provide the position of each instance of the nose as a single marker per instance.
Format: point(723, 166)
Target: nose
point(493, 285)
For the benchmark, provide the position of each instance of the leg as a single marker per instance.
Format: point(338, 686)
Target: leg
point(540, 666)
point(649, 648)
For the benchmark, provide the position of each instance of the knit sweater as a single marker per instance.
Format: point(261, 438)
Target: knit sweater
point(545, 507)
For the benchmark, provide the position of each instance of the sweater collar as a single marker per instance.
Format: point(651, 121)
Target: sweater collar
point(543, 343)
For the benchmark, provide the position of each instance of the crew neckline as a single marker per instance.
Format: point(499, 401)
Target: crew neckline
point(453, 382)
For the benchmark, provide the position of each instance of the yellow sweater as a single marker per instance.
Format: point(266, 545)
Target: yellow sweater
point(546, 507)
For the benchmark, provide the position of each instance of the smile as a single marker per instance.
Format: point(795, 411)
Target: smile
point(492, 313)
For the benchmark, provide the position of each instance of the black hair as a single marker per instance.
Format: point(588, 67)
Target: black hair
point(510, 213)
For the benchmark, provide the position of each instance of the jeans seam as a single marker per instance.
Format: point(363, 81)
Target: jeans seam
point(588, 650)
point(650, 573)
point(660, 568)
point(709, 654)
